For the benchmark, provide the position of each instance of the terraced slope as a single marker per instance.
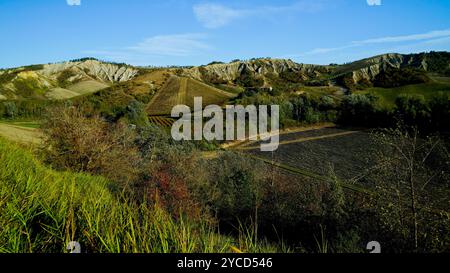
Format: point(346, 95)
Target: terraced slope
point(180, 90)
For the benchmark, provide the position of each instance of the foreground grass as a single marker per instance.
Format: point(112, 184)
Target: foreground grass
point(41, 210)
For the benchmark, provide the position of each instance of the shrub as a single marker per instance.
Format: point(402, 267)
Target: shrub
point(30, 88)
point(360, 110)
point(63, 78)
point(10, 109)
point(247, 79)
point(75, 142)
point(171, 192)
point(412, 110)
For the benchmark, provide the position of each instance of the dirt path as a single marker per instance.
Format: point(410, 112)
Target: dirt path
point(20, 134)
point(244, 143)
point(182, 93)
point(299, 140)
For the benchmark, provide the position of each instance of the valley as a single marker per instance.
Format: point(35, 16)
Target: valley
point(98, 127)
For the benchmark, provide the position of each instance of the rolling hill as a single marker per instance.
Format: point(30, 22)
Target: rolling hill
point(182, 90)
point(61, 80)
point(159, 89)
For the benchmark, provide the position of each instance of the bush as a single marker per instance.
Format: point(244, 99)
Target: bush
point(75, 142)
point(30, 88)
point(292, 76)
point(247, 79)
point(10, 110)
point(412, 110)
point(63, 78)
point(360, 110)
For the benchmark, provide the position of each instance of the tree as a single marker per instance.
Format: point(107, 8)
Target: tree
point(359, 109)
point(440, 112)
point(135, 113)
point(10, 109)
point(411, 179)
point(412, 110)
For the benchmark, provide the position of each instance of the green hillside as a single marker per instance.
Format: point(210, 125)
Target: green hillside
point(428, 90)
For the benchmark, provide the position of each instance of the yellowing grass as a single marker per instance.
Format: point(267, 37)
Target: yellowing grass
point(20, 134)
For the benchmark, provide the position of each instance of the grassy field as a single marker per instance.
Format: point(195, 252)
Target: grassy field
point(41, 210)
point(428, 90)
point(27, 123)
point(61, 94)
point(332, 91)
point(87, 87)
point(209, 94)
point(78, 89)
point(21, 131)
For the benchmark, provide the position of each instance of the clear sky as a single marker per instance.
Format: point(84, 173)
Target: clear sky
point(194, 32)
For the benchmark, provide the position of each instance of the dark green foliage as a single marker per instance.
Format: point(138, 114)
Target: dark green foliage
point(7, 77)
point(21, 109)
point(347, 81)
point(437, 62)
point(281, 85)
point(237, 199)
point(292, 76)
point(63, 78)
point(412, 110)
point(30, 88)
point(111, 103)
point(84, 59)
point(440, 113)
point(360, 110)
point(248, 79)
point(310, 110)
point(34, 67)
point(364, 83)
point(211, 77)
point(9, 110)
point(135, 114)
point(215, 62)
point(447, 72)
point(395, 77)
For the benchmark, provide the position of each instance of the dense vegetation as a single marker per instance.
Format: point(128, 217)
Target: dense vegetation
point(42, 210)
point(393, 77)
point(185, 197)
point(108, 178)
point(411, 110)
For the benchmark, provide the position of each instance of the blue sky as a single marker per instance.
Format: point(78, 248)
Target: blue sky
point(194, 32)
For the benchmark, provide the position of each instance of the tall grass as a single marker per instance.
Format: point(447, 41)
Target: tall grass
point(42, 210)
